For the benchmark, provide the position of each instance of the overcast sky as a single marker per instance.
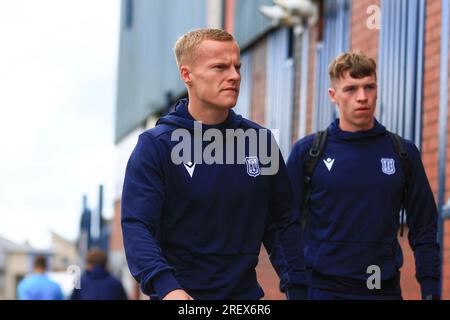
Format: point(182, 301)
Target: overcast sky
point(58, 62)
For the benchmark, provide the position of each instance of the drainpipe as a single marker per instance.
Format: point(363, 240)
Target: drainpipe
point(443, 123)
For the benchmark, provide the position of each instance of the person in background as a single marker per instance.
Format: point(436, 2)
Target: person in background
point(38, 286)
point(97, 283)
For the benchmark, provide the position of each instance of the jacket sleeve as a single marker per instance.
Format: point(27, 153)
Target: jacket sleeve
point(422, 223)
point(283, 234)
point(142, 200)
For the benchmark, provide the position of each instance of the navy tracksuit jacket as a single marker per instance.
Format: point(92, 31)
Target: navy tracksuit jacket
point(354, 214)
point(99, 284)
point(200, 227)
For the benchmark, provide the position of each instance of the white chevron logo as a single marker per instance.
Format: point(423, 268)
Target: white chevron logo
point(329, 163)
point(190, 167)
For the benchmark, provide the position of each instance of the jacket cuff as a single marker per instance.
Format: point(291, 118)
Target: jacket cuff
point(164, 283)
point(429, 286)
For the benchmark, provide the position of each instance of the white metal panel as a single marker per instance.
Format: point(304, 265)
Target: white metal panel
point(280, 77)
point(401, 66)
point(245, 94)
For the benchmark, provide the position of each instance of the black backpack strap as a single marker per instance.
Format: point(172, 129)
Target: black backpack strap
point(314, 155)
point(407, 169)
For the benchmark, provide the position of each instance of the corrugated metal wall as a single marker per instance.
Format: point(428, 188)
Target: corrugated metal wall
point(401, 67)
point(336, 40)
point(304, 86)
point(280, 86)
point(249, 22)
point(147, 68)
point(245, 94)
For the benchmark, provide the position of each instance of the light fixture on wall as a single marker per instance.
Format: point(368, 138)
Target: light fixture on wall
point(292, 13)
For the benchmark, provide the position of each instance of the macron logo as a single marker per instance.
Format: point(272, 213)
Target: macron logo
point(329, 163)
point(190, 167)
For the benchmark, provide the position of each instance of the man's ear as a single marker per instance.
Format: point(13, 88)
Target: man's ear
point(185, 75)
point(332, 94)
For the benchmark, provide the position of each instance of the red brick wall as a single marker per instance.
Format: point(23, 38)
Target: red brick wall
point(267, 277)
point(361, 37)
point(446, 251)
point(313, 32)
point(259, 63)
point(116, 240)
point(313, 36)
point(229, 16)
point(408, 282)
point(430, 134)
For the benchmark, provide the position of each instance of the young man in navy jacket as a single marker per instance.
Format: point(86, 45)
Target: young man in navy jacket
point(355, 198)
point(193, 229)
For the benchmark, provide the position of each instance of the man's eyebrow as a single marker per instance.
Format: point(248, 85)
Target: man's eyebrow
point(357, 85)
point(219, 62)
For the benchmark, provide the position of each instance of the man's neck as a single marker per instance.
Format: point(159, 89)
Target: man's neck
point(208, 116)
point(351, 128)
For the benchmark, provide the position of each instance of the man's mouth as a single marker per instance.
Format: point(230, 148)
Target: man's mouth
point(230, 89)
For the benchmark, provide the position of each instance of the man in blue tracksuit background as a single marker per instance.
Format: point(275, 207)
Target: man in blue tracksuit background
point(97, 283)
point(355, 198)
point(193, 230)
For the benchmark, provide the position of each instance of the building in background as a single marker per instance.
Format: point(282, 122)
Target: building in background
point(7, 246)
point(284, 83)
point(16, 261)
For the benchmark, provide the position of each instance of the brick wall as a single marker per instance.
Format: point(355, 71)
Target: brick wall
point(313, 32)
point(361, 37)
point(267, 277)
point(259, 63)
point(313, 35)
point(229, 16)
point(408, 282)
point(430, 130)
point(116, 240)
point(430, 124)
point(430, 134)
point(446, 251)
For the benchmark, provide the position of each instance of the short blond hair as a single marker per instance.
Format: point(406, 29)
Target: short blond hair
point(357, 63)
point(187, 45)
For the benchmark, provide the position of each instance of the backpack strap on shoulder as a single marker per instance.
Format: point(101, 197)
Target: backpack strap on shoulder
point(314, 155)
point(400, 148)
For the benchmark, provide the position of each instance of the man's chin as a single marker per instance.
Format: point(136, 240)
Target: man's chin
point(227, 105)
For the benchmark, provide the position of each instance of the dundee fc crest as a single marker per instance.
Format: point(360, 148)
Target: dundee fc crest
point(388, 166)
point(253, 169)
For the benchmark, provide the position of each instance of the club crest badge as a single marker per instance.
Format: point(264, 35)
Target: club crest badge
point(253, 169)
point(388, 166)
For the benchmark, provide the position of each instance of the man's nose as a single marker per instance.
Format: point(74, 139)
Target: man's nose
point(361, 94)
point(235, 75)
